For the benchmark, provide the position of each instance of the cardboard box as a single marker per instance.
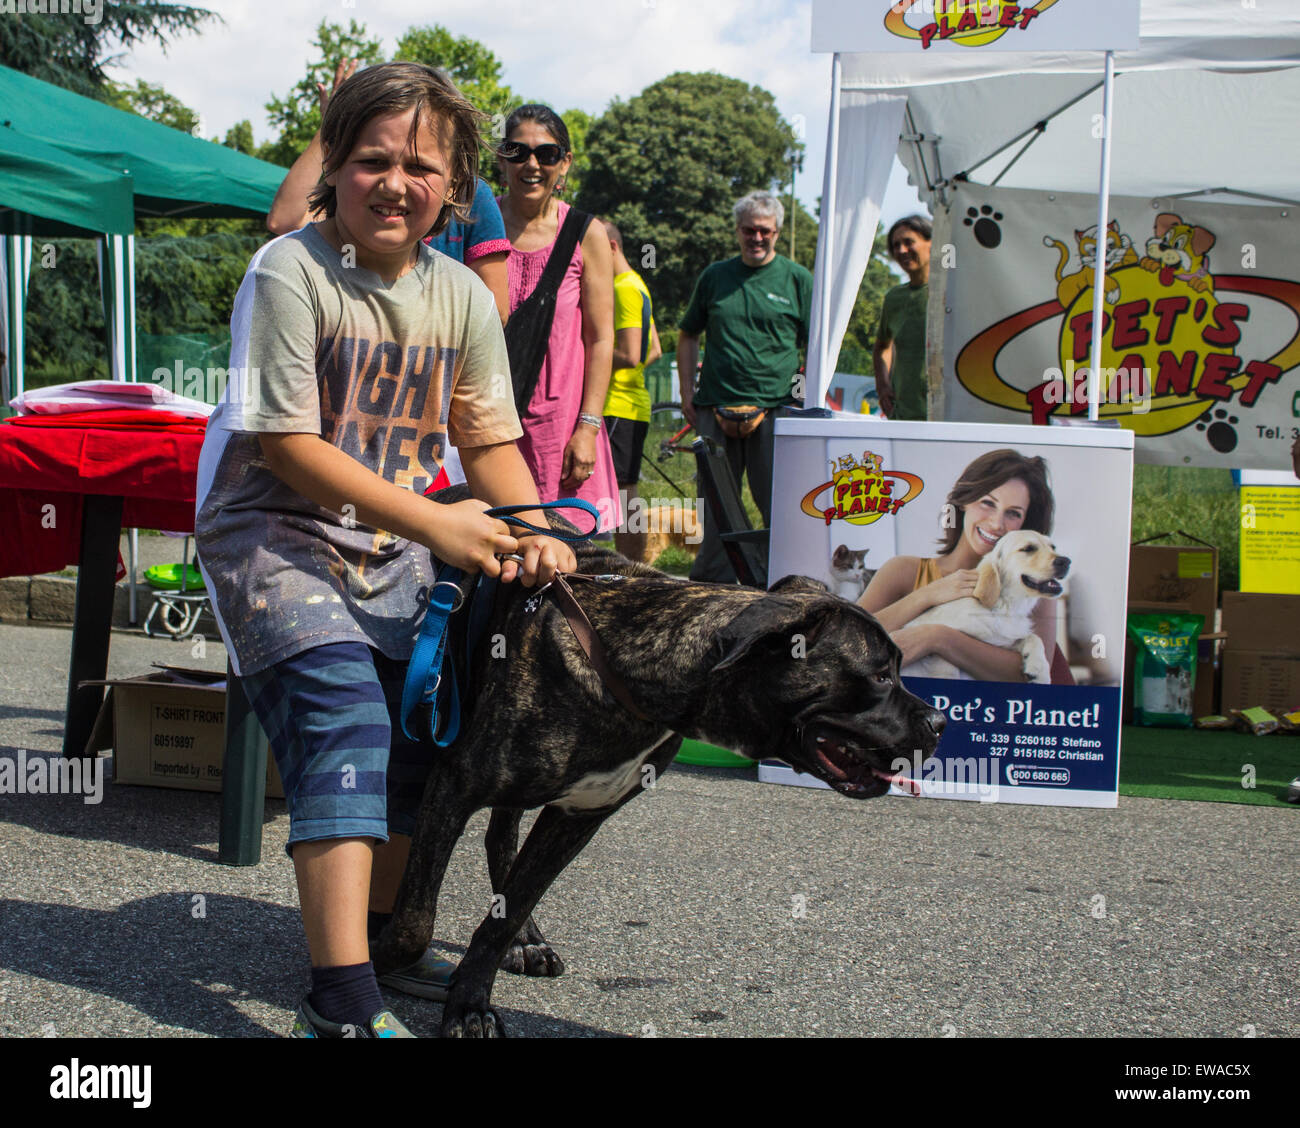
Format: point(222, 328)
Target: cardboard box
point(1261, 657)
point(1177, 577)
point(1174, 577)
point(168, 729)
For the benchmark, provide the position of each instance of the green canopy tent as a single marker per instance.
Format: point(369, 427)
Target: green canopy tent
point(46, 191)
point(174, 175)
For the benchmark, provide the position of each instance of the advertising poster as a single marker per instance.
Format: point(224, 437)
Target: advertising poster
point(1200, 330)
point(1270, 532)
point(940, 26)
point(1033, 522)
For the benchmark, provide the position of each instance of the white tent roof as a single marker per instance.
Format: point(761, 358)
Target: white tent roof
point(1208, 101)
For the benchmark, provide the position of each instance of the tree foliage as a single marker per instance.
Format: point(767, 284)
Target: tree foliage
point(72, 53)
point(470, 65)
point(296, 116)
point(667, 166)
point(860, 337)
point(154, 103)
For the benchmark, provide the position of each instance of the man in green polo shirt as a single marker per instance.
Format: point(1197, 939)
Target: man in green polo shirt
point(753, 310)
point(899, 355)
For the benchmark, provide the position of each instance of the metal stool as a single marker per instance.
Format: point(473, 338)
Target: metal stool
point(182, 599)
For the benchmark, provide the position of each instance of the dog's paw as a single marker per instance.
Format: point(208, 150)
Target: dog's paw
point(538, 959)
point(1035, 665)
point(471, 1022)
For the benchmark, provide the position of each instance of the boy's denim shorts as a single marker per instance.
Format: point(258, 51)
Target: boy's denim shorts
point(332, 715)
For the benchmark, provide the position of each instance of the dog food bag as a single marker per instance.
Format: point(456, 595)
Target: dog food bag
point(1164, 670)
point(1216, 721)
point(1257, 721)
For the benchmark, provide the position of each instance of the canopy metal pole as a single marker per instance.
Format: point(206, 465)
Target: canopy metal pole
point(1103, 217)
point(828, 226)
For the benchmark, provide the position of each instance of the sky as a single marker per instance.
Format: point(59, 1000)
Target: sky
point(574, 54)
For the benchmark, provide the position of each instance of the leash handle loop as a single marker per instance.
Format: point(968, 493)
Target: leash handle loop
point(424, 672)
point(507, 513)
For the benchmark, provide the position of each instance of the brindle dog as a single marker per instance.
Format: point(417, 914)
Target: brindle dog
point(795, 673)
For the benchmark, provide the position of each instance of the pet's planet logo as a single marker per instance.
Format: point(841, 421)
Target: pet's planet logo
point(861, 492)
point(967, 23)
point(1172, 333)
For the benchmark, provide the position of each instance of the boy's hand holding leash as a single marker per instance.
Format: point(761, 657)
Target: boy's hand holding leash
point(467, 538)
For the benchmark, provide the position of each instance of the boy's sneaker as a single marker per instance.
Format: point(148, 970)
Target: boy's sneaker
point(308, 1024)
point(429, 978)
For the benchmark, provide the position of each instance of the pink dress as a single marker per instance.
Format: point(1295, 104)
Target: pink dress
point(552, 413)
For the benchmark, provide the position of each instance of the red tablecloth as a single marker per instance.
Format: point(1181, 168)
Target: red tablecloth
point(153, 466)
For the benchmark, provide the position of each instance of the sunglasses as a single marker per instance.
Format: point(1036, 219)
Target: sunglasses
point(516, 152)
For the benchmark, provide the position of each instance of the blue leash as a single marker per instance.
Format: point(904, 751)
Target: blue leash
point(430, 677)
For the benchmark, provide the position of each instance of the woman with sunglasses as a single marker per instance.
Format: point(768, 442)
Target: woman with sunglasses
point(564, 441)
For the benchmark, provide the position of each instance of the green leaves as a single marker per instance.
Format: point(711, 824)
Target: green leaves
point(297, 114)
point(668, 164)
point(72, 53)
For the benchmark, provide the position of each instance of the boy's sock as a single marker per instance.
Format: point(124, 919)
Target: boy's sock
point(375, 924)
point(347, 994)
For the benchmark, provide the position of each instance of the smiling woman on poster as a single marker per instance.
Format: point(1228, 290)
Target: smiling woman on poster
point(998, 493)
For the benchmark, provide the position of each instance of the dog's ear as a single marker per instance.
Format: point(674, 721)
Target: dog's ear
point(805, 583)
point(1202, 240)
point(775, 620)
point(1166, 220)
point(988, 584)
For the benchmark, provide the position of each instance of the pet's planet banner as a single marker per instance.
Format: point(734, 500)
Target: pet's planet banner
point(938, 26)
point(1201, 320)
point(890, 511)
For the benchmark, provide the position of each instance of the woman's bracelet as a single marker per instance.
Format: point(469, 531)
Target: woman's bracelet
point(590, 420)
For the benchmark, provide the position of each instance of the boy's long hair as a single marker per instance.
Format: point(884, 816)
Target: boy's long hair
point(394, 88)
point(994, 469)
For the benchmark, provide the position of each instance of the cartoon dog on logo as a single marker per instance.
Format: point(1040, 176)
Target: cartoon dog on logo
point(1119, 252)
point(1180, 251)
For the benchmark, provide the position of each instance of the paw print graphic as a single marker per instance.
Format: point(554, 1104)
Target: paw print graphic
point(1219, 430)
point(985, 221)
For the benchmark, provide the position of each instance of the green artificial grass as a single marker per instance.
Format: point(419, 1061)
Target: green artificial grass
point(1207, 766)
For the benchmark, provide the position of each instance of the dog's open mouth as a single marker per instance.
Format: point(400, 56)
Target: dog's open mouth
point(1043, 587)
point(832, 756)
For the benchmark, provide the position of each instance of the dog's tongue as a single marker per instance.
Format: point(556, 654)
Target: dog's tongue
point(907, 783)
point(1166, 276)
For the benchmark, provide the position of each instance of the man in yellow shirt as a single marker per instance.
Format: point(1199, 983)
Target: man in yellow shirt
point(627, 406)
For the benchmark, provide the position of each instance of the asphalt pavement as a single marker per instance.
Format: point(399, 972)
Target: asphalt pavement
point(712, 905)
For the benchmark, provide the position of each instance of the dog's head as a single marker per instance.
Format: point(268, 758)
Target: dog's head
point(1178, 245)
point(1022, 567)
point(825, 676)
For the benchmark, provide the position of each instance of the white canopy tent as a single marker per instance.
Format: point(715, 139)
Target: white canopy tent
point(1205, 108)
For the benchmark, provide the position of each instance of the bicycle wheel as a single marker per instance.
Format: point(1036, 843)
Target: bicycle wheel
point(671, 473)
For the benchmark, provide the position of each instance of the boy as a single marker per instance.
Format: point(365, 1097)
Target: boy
point(358, 352)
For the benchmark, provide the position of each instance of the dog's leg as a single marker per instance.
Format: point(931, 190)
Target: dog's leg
point(1036, 666)
point(440, 824)
point(556, 839)
point(529, 953)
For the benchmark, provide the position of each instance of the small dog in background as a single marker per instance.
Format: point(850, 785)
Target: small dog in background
point(849, 573)
point(1022, 569)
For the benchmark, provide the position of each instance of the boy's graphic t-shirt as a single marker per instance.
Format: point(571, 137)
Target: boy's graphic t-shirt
point(386, 372)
